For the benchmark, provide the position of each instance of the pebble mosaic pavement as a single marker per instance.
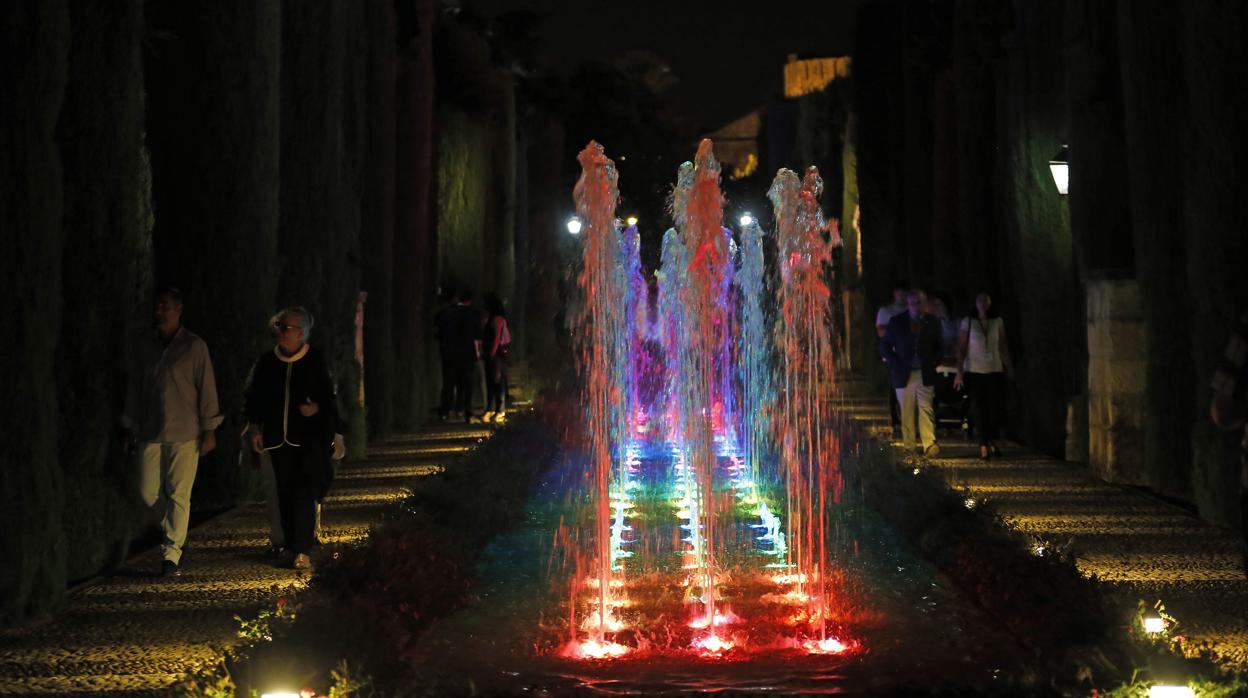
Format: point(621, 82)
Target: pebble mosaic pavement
point(135, 633)
point(1143, 547)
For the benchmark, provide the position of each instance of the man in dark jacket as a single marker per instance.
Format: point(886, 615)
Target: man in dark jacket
point(292, 413)
point(911, 346)
point(459, 339)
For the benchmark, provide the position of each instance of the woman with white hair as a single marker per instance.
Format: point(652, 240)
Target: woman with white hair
point(292, 414)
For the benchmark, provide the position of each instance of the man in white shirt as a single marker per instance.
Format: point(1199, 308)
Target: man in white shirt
point(171, 408)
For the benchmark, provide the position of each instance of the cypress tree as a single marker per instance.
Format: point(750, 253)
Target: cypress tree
point(212, 71)
point(105, 275)
point(377, 217)
point(34, 46)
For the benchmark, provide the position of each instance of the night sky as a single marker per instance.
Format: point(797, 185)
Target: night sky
point(728, 61)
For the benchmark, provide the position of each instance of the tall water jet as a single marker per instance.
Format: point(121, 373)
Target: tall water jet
point(808, 445)
point(671, 278)
point(704, 327)
point(599, 355)
point(753, 350)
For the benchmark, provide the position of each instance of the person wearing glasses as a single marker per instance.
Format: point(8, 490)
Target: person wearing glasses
point(292, 416)
point(171, 409)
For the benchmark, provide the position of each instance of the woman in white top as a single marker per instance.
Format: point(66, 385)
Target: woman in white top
point(983, 359)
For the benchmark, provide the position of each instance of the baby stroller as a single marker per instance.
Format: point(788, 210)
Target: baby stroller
point(952, 407)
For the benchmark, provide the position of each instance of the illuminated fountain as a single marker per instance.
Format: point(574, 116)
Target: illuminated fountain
point(737, 439)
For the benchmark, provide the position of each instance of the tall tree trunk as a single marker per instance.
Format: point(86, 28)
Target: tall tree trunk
point(377, 224)
point(1153, 102)
point(34, 47)
point(213, 118)
point(107, 248)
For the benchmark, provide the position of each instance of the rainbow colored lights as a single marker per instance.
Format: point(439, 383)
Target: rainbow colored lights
point(710, 463)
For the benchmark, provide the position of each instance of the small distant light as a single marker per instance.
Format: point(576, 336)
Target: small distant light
point(631, 220)
point(1170, 692)
point(1038, 550)
point(747, 220)
point(970, 502)
point(1154, 625)
point(574, 225)
point(916, 471)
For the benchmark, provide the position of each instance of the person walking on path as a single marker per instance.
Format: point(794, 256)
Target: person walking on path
point(171, 408)
point(911, 346)
point(495, 348)
point(1230, 381)
point(983, 359)
point(459, 334)
point(292, 414)
point(882, 316)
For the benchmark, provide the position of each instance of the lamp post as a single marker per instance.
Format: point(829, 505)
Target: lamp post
point(1061, 171)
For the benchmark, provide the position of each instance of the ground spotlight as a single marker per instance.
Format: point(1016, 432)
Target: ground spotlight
point(1154, 625)
point(1170, 692)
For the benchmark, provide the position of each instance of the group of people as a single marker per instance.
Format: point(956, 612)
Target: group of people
point(291, 407)
point(468, 338)
point(921, 342)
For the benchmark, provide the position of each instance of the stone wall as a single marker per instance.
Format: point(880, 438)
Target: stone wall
point(1116, 381)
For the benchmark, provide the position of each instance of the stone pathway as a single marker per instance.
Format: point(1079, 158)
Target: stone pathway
point(136, 633)
point(1141, 546)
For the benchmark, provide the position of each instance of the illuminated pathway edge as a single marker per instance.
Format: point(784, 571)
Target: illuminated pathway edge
point(134, 632)
point(1136, 544)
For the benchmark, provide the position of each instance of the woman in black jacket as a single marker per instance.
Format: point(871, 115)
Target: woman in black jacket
point(292, 413)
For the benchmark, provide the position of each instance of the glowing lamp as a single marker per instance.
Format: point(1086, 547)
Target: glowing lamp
point(1153, 625)
point(1170, 692)
point(747, 220)
point(574, 225)
point(631, 220)
point(1061, 171)
point(279, 694)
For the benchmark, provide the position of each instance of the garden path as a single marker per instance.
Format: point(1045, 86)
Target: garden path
point(137, 633)
point(1142, 547)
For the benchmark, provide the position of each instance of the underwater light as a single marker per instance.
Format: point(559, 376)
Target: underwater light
point(574, 225)
point(829, 645)
point(1154, 625)
point(713, 644)
point(592, 649)
point(747, 220)
point(1170, 692)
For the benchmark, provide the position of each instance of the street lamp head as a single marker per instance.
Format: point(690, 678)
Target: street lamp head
point(574, 225)
point(1061, 171)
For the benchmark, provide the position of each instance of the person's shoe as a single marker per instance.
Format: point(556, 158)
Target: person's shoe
point(993, 450)
point(302, 562)
point(932, 451)
point(983, 452)
point(488, 416)
point(169, 568)
point(500, 417)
